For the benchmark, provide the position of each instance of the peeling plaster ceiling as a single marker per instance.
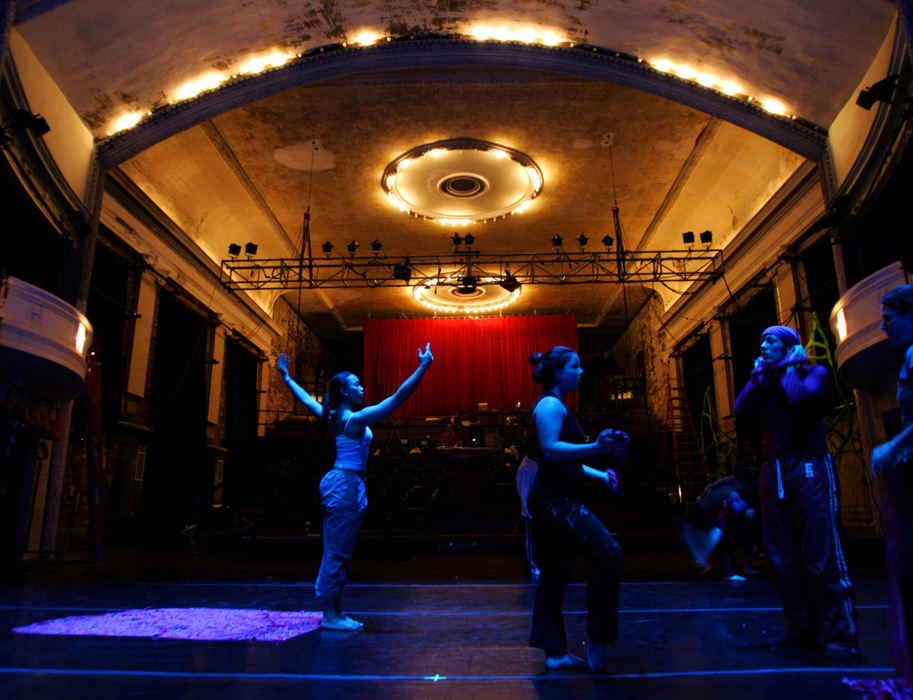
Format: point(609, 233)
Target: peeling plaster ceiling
point(245, 173)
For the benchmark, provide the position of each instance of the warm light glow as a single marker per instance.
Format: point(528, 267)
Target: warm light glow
point(258, 64)
point(535, 178)
point(467, 309)
point(498, 153)
point(523, 207)
point(81, 338)
point(525, 35)
point(453, 222)
point(191, 89)
point(773, 106)
point(726, 87)
point(686, 72)
point(436, 152)
point(841, 325)
point(366, 37)
point(126, 121)
point(397, 202)
point(391, 180)
point(404, 163)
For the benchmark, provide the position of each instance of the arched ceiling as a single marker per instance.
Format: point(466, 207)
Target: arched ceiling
point(235, 164)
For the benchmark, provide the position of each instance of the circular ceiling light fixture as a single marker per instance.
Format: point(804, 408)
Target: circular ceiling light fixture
point(467, 295)
point(462, 181)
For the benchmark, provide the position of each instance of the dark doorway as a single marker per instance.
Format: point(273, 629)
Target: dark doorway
point(697, 371)
point(176, 489)
point(241, 469)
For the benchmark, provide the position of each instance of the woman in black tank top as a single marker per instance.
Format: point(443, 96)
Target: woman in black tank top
point(563, 525)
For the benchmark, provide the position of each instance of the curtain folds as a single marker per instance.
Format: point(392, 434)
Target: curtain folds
point(476, 361)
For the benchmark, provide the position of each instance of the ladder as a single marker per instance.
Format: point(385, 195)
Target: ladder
point(681, 447)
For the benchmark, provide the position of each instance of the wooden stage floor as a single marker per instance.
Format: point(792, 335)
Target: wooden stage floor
point(449, 626)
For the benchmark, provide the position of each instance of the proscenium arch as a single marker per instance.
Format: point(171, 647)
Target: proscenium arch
point(804, 138)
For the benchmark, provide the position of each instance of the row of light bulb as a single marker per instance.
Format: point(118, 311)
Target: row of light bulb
point(276, 58)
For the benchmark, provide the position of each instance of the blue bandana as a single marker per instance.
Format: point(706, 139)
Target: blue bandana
point(788, 335)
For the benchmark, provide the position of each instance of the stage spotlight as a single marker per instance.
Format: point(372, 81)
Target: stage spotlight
point(250, 248)
point(582, 240)
point(706, 237)
point(607, 241)
point(402, 271)
point(352, 247)
point(327, 248)
point(234, 249)
point(510, 283)
point(469, 239)
point(688, 237)
point(456, 239)
point(882, 91)
point(557, 240)
point(376, 245)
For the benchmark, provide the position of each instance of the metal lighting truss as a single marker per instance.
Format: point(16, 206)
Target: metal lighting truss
point(463, 268)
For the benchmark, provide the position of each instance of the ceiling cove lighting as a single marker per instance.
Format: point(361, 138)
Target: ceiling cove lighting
point(365, 37)
point(462, 181)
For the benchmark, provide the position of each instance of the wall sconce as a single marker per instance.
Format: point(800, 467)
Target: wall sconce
point(250, 249)
point(582, 240)
point(607, 241)
point(706, 237)
point(882, 91)
point(327, 248)
point(688, 238)
point(234, 250)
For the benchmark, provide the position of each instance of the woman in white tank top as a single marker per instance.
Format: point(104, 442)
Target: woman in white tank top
point(342, 489)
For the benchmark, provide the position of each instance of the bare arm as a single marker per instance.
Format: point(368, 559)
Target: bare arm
point(380, 411)
point(304, 397)
point(549, 416)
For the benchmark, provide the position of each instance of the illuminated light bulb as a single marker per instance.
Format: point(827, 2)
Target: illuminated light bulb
point(390, 181)
point(706, 79)
point(773, 106)
point(662, 65)
point(534, 178)
point(841, 325)
point(436, 152)
point(191, 89)
point(550, 39)
point(686, 72)
point(524, 36)
point(404, 163)
point(258, 64)
point(80, 338)
point(366, 38)
point(730, 88)
point(498, 153)
point(126, 121)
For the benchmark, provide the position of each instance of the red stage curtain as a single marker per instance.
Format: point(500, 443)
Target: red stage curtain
point(475, 360)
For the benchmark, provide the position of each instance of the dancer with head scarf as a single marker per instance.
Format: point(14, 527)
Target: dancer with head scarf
point(342, 489)
point(785, 397)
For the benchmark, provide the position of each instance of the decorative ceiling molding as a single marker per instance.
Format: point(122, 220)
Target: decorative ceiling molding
point(336, 61)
